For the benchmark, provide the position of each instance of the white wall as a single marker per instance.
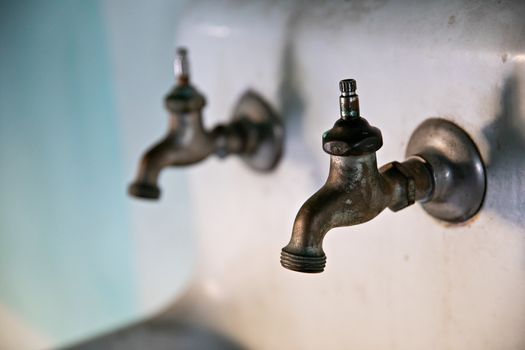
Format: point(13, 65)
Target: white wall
point(403, 280)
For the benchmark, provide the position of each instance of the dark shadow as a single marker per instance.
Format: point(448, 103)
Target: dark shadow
point(291, 103)
point(160, 334)
point(506, 158)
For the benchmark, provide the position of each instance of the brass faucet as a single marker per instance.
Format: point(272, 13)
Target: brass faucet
point(255, 133)
point(443, 170)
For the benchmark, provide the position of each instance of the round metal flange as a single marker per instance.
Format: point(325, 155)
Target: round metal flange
point(266, 132)
point(457, 169)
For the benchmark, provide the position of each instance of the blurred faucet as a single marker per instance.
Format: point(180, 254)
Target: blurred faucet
point(255, 133)
point(443, 170)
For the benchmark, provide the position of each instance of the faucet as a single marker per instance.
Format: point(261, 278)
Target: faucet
point(443, 170)
point(255, 133)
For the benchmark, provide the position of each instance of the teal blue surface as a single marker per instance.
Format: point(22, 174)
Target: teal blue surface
point(66, 264)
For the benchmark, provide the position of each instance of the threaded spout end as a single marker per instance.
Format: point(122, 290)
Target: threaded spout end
point(144, 190)
point(301, 263)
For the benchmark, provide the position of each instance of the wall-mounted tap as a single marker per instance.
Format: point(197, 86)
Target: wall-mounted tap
point(255, 133)
point(443, 171)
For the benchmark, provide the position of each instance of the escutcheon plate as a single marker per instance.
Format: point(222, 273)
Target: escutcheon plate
point(457, 169)
point(267, 132)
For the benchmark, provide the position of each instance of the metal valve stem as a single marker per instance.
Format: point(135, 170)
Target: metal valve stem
point(348, 101)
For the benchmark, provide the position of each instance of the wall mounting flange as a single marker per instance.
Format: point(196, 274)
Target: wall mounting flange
point(265, 144)
point(456, 166)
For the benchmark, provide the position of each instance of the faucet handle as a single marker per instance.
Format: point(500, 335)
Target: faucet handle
point(351, 135)
point(348, 87)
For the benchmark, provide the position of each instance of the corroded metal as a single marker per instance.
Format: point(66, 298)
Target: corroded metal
point(356, 191)
point(255, 133)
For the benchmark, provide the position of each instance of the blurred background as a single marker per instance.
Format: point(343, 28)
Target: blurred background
point(81, 97)
point(74, 75)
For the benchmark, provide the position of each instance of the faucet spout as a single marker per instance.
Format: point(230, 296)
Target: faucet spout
point(355, 192)
point(152, 162)
point(187, 142)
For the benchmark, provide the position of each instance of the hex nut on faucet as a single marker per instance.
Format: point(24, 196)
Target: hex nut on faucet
point(404, 183)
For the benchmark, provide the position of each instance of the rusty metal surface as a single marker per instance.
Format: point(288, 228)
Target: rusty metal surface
point(444, 170)
point(458, 170)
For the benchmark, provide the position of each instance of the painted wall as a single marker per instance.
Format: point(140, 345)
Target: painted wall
point(74, 259)
point(403, 280)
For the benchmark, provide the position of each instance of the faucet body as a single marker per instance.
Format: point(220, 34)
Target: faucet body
point(446, 173)
point(186, 142)
point(355, 192)
point(255, 133)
